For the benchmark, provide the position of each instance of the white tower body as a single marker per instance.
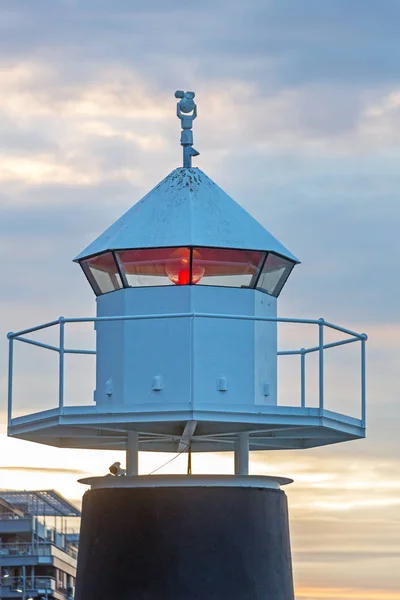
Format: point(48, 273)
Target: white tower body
point(216, 367)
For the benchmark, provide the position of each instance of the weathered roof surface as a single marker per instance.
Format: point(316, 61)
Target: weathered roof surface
point(186, 209)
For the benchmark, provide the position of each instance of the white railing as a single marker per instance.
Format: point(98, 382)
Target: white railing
point(36, 586)
point(9, 516)
point(31, 583)
point(33, 549)
point(320, 349)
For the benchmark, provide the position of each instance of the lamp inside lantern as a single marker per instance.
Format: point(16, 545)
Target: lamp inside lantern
point(178, 267)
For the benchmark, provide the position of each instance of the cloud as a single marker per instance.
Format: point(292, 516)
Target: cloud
point(314, 593)
point(312, 42)
point(58, 470)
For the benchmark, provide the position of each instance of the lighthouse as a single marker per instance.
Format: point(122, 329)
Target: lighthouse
point(187, 285)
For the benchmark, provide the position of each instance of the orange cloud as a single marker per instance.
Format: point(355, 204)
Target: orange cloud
point(345, 594)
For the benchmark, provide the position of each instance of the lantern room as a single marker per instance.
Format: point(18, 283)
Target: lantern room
point(186, 231)
point(225, 267)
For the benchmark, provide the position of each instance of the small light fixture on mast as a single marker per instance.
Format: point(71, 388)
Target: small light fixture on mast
point(186, 111)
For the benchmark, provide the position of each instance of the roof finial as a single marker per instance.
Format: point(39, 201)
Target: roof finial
point(186, 111)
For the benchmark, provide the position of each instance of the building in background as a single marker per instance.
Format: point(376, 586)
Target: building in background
point(38, 552)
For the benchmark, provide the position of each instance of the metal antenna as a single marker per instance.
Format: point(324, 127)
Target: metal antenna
point(186, 111)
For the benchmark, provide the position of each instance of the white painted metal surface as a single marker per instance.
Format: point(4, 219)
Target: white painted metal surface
point(132, 453)
point(187, 366)
point(187, 435)
point(186, 209)
point(147, 481)
point(242, 448)
point(161, 424)
point(277, 427)
point(190, 356)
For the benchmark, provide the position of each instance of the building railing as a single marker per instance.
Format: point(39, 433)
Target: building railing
point(36, 585)
point(21, 549)
point(31, 583)
point(319, 349)
point(33, 549)
point(9, 516)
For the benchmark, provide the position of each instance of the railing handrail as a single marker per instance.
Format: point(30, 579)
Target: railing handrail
point(30, 544)
point(38, 581)
point(61, 320)
point(35, 547)
point(320, 348)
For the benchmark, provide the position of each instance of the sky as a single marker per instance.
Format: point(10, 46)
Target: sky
point(299, 121)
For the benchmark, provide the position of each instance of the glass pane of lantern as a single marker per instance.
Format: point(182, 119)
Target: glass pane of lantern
point(156, 266)
point(226, 267)
point(274, 274)
point(102, 273)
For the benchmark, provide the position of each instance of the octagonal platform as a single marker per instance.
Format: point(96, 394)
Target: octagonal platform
point(206, 427)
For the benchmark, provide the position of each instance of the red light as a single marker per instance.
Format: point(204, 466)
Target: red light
point(183, 277)
point(178, 268)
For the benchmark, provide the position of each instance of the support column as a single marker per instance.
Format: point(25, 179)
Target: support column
point(23, 582)
point(242, 454)
point(132, 453)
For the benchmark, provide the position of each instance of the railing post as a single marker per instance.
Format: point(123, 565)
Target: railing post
point(321, 363)
point(10, 375)
point(363, 381)
point(132, 453)
point(61, 321)
point(303, 378)
point(242, 454)
point(23, 582)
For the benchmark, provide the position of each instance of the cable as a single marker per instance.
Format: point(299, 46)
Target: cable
point(170, 460)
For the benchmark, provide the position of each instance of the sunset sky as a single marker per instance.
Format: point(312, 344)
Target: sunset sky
point(299, 121)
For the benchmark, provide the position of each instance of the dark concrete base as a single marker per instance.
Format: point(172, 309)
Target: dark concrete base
point(184, 543)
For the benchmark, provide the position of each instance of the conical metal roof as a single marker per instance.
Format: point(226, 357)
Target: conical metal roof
point(186, 209)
